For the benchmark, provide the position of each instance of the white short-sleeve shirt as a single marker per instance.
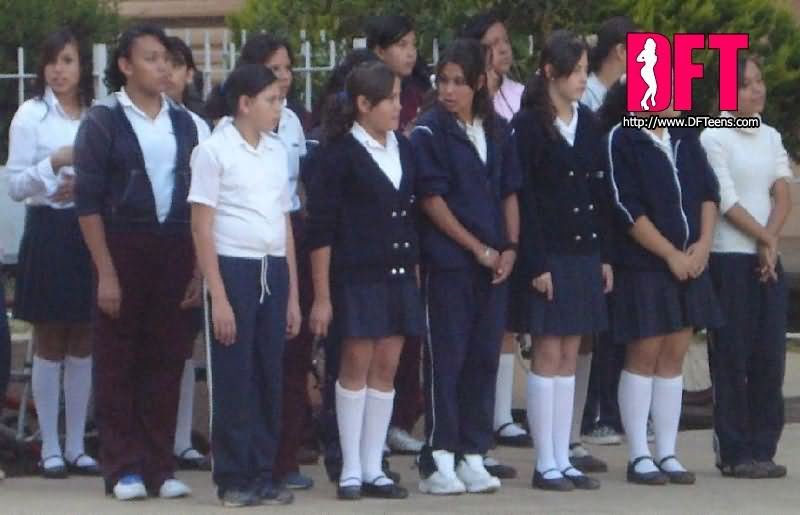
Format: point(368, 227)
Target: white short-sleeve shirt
point(248, 187)
point(159, 148)
point(39, 128)
point(595, 93)
point(747, 163)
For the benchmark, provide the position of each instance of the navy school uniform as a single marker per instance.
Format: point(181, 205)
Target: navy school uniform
point(371, 228)
point(669, 190)
point(466, 313)
point(564, 228)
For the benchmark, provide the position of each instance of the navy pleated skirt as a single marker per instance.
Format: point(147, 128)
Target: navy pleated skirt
point(379, 309)
point(650, 303)
point(54, 279)
point(578, 306)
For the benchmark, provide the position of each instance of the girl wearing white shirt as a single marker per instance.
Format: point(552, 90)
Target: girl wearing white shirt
point(747, 354)
point(240, 198)
point(364, 257)
point(54, 285)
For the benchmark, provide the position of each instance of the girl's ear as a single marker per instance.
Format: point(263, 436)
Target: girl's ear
point(125, 66)
point(364, 106)
point(243, 105)
point(190, 76)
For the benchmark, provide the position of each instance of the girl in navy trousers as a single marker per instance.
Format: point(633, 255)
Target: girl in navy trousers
point(241, 199)
point(468, 180)
point(564, 272)
point(666, 198)
point(54, 284)
point(364, 258)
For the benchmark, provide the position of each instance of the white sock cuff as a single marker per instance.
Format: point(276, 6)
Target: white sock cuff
point(46, 363)
point(673, 382)
point(350, 394)
point(377, 394)
point(564, 381)
point(534, 379)
point(75, 361)
point(636, 378)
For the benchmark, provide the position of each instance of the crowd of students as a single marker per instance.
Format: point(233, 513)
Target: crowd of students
point(411, 226)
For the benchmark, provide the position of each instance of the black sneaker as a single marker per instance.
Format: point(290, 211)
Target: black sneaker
point(770, 469)
point(497, 469)
point(274, 495)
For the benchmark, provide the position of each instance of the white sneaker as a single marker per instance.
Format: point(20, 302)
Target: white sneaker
point(444, 480)
point(130, 488)
point(173, 489)
point(474, 475)
point(401, 442)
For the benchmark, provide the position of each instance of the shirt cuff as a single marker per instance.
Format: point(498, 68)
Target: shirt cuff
point(48, 177)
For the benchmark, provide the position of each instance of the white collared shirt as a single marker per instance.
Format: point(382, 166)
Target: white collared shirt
point(290, 132)
point(477, 135)
point(595, 93)
point(39, 128)
point(159, 148)
point(387, 157)
point(568, 130)
point(747, 162)
point(248, 187)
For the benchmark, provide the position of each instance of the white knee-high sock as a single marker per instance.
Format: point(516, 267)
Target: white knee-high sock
point(350, 406)
point(563, 401)
point(635, 394)
point(77, 388)
point(46, 385)
point(183, 428)
point(504, 391)
point(666, 413)
point(582, 372)
point(377, 414)
point(540, 418)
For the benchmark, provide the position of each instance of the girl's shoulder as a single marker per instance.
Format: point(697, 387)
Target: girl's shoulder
point(30, 113)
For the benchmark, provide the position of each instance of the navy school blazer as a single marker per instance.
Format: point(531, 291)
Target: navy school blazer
point(670, 192)
point(355, 209)
point(565, 203)
point(449, 166)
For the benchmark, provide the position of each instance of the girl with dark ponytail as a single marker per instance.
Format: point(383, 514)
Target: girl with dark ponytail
point(364, 259)
point(564, 271)
point(241, 200)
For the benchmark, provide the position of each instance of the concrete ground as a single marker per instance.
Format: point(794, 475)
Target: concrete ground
point(711, 494)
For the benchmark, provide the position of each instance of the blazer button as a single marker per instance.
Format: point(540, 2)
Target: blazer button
point(576, 210)
point(412, 199)
point(402, 271)
point(394, 271)
point(571, 173)
point(407, 245)
point(591, 207)
point(396, 246)
point(403, 213)
point(578, 237)
point(394, 214)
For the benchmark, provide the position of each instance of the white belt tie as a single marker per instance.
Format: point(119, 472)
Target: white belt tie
point(264, 285)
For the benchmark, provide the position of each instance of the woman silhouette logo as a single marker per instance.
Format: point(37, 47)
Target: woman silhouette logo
point(649, 58)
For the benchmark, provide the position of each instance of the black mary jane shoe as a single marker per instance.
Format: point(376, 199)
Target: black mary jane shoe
point(388, 472)
point(681, 477)
point(558, 484)
point(655, 478)
point(521, 441)
point(771, 469)
point(349, 493)
point(57, 472)
point(387, 491)
point(82, 470)
point(581, 481)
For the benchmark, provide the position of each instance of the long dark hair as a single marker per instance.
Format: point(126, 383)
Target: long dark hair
point(614, 107)
point(477, 26)
point(337, 79)
point(470, 55)
point(52, 45)
point(115, 79)
point(259, 49)
point(181, 55)
point(385, 31)
point(246, 80)
point(373, 81)
point(612, 32)
point(562, 51)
